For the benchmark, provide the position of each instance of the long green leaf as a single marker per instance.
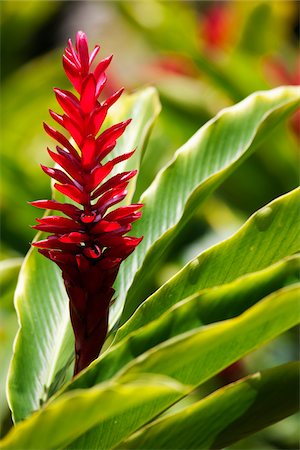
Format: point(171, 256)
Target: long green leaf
point(190, 358)
point(107, 405)
point(196, 356)
point(269, 235)
point(205, 307)
point(44, 345)
point(9, 270)
point(197, 169)
point(44, 334)
point(216, 346)
point(228, 415)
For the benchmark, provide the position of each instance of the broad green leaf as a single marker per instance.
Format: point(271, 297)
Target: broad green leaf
point(246, 251)
point(44, 345)
point(9, 270)
point(197, 169)
point(44, 334)
point(226, 416)
point(207, 306)
point(8, 329)
point(107, 405)
point(193, 357)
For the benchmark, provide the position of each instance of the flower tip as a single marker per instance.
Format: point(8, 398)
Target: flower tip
point(81, 42)
point(59, 93)
point(47, 128)
point(126, 122)
point(81, 34)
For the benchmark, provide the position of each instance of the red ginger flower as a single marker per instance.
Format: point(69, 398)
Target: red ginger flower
point(90, 243)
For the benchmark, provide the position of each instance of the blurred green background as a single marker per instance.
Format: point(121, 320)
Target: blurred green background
point(201, 56)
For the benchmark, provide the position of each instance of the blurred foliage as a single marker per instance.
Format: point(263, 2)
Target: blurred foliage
point(202, 56)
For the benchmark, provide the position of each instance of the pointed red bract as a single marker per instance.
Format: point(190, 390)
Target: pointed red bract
point(88, 245)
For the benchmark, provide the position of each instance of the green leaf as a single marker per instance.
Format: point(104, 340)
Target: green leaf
point(205, 307)
point(191, 358)
point(9, 270)
point(226, 416)
point(197, 169)
point(44, 340)
point(194, 357)
point(247, 251)
point(221, 341)
point(107, 405)
point(44, 345)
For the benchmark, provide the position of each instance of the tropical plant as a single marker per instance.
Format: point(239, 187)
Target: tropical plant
point(148, 388)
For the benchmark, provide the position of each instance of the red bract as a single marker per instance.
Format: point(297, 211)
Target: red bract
point(90, 244)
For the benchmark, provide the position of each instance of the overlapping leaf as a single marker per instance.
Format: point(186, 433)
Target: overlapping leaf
point(106, 405)
point(269, 235)
point(161, 317)
point(226, 416)
point(190, 358)
point(197, 169)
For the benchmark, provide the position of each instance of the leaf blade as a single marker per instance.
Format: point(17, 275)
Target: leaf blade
point(44, 429)
point(248, 250)
point(190, 359)
point(227, 415)
point(194, 357)
point(197, 169)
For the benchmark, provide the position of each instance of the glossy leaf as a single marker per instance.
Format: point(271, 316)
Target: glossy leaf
point(197, 169)
point(106, 405)
point(205, 307)
point(44, 341)
point(226, 416)
point(193, 357)
point(9, 270)
point(44, 345)
point(246, 251)
point(197, 355)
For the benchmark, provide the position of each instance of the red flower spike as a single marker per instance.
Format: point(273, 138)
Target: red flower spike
point(87, 246)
